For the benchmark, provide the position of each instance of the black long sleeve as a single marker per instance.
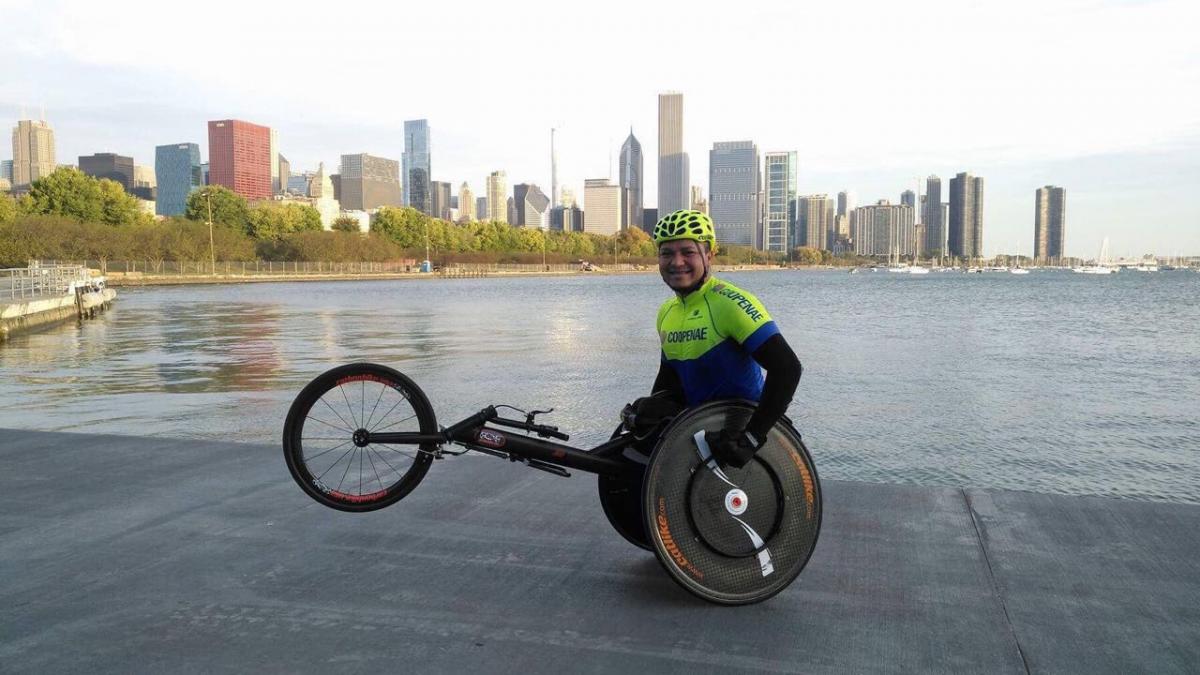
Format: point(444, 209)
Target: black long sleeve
point(668, 381)
point(783, 376)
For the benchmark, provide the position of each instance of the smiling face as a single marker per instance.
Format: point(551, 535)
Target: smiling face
point(683, 263)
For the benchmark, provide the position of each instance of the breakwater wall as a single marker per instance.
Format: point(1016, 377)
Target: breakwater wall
point(29, 315)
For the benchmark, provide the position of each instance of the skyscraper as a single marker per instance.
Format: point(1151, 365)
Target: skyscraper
point(931, 218)
point(439, 195)
point(481, 208)
point(466, 203)
point(111, 166)
point(285, 174)
point(733, 193)
point(417, 165)
point(177, 171)
point(239, 157)
point(908, 198)
point(884, 229)
point(497, 197)
point(369, 182)
point(519, 192)
point(1049, 226)
point(602, 206)
point(275, 187)
point(813, 224)
point(845, 203)
point(631, 178)
point(537, 208)
point(6, 175)
point(780, 187)
point(965, 238)
point(33, 152)
point(698, 202)
point(673, 170)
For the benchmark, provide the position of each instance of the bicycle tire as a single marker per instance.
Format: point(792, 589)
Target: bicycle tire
point(317, 428)
point(690, 525)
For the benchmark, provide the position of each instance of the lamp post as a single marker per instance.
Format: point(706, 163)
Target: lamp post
point(212, 254)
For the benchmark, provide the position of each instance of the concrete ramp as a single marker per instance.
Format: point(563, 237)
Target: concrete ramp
point(124, 554)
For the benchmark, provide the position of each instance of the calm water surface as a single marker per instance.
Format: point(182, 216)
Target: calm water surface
point(1051, 382)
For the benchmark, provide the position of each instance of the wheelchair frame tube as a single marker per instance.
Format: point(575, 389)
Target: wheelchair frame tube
point(492, 440)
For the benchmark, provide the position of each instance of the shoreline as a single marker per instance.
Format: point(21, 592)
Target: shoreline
point(120, 279)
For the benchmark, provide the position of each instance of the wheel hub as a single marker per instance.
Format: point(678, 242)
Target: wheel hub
point(362, 438)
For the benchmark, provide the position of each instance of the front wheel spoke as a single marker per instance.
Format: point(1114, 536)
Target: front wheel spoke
point(348, 406)
point(345, 473)
point(375, 470)
point(397, 450)
point(325, 452)
point(394, 423)
point(336, 462)
point(389, 412)
point(375, 407)
point(338, 414)
point(331, 426)
point(389, 464)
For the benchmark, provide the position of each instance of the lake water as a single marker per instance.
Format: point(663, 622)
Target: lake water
point(1050, 382)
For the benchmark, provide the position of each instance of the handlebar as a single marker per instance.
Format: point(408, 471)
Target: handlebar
point(543, 430)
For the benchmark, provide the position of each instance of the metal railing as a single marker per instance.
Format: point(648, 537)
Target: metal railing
point(36, 281)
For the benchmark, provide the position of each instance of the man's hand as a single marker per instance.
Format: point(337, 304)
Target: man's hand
point(732, 447)
point(644, 415)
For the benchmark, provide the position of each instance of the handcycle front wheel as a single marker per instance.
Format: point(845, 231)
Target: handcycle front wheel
point(326, 443)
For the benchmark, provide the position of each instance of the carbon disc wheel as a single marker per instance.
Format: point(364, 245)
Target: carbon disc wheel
point(731, 536)
point(326, 437)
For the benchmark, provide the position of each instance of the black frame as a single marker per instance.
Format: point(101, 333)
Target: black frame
point(474, 433)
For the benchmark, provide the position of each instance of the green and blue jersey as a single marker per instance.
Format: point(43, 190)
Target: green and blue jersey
point(708, 337)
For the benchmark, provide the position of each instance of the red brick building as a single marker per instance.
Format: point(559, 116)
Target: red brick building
point(239, 157)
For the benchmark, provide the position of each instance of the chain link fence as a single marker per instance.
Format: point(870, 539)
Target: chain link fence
point(263, 268)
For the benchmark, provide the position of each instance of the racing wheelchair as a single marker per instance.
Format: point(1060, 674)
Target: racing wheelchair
point(361, 436)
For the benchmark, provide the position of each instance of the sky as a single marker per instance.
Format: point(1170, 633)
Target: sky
point(1097, 96)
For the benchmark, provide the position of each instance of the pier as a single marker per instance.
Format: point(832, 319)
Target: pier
point(129, 554)
point(37, 296)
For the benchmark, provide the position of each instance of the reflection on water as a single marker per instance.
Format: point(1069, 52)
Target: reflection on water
point(1049, 382)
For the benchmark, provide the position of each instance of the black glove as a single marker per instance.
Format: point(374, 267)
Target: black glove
point(732, 447)
point(646, 413)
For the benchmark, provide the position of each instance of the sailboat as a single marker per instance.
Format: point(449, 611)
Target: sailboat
point(1101, 266)
point(895, 266)
point(1016, 268)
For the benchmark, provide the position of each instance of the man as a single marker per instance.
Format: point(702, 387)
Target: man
point(717, 339)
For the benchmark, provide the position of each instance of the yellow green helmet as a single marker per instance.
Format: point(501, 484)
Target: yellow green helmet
point(686, 224)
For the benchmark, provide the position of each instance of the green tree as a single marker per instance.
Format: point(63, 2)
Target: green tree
point(119, 207)
point(405, 226)
point(271, 220)
point(72, 193)
point(68, 192)
point(806, 255)
point(228, 207)
point(345, 224)
point(8, 209)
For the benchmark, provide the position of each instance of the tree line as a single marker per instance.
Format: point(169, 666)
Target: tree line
point(69, 215)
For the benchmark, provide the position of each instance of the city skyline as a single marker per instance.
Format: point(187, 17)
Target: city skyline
point(1120, 133)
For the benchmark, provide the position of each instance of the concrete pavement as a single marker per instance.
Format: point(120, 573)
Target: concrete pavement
point(131, 554)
